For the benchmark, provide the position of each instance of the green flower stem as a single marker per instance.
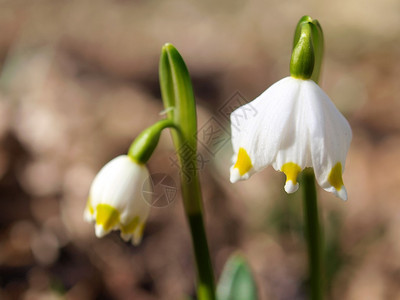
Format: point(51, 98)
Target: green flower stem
point(178, 98)
point(310, 31)
point(205, 284)
point(313, 234)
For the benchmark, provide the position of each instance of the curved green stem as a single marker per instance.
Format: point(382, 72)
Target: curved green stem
point(177, 94)
point(143, 146)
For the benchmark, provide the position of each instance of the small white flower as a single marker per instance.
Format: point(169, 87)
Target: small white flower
point(296, 126)
point(116, 201)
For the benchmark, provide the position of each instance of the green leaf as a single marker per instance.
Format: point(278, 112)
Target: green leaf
point(179, 103)
point(177, 94)
point(237, 282)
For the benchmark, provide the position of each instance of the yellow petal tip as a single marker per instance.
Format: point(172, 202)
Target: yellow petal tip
point(291, 171)
point(130, 227)
point(342, 193)
point(291, 187)
point(335, 177)
point(106, 216)
point(243, 163)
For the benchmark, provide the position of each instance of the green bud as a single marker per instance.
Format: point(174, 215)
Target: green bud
point(302, 62)
point(143, 146)
point(317, 41)
point(303, 20)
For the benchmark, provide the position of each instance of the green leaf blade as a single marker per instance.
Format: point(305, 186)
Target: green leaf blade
point(237, 281)
point(177, 92)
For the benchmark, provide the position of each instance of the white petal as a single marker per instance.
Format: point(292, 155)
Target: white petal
point(138, 235)
point(294, 153)
point(100, 232)
point(330, 138)
point(291, 187)
point(87, 216)
point(107, 180)
point(235, 175)
point(261, 135)
point(342, 193)
point(121, 182)
point(136, 205)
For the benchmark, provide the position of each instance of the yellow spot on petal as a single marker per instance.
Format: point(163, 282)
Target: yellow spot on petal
point(89, 206)
point(139, 232)
point(141, 229)
point(131, 226)
point(335, 177)
point(243, 163)
point(107, 216)
point(291, 171)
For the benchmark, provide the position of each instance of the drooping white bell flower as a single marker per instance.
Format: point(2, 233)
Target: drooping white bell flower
point(293, 125)
point(116, 201)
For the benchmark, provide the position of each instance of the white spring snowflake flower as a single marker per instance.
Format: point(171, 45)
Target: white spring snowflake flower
point(116, 201)
point(295, 126)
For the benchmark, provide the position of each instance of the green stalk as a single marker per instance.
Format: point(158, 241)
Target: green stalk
point(177, 94)
point(143, 146)
point(313, 234)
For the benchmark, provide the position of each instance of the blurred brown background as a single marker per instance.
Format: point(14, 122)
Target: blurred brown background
point(79, 80)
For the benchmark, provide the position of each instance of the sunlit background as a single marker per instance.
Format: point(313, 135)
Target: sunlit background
point(79, 81)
